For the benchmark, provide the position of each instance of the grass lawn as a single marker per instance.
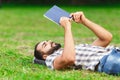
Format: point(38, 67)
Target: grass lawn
point(21, 27)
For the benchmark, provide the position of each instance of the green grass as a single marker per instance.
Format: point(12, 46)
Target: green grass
point(22, 27)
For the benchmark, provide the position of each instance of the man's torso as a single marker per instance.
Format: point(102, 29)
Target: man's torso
point(87, 56)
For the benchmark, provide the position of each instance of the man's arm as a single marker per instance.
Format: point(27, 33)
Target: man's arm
point(68, 55)
point(104, 37)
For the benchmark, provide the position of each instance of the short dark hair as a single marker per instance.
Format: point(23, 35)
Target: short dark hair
point(37, 54)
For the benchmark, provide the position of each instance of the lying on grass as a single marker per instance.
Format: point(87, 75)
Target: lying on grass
point(97, 56)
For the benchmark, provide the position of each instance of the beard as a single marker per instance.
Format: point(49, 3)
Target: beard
point(55, 48)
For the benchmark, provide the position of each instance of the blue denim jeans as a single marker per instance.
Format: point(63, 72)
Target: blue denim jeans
point(110, 64)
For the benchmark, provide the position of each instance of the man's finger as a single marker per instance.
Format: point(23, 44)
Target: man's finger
point(71, 14)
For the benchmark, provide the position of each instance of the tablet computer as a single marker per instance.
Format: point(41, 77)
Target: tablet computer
point(55, 13)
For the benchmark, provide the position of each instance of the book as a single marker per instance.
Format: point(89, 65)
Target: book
point(55, 13)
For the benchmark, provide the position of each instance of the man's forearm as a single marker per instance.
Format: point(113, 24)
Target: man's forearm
point(104, 37)
point(68, 55)
point(99, 31)
point(69, 52)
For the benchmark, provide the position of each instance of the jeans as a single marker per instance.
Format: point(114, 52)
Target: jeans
point(110, 64)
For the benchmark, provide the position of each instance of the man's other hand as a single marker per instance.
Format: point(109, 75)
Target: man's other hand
point(65, 22)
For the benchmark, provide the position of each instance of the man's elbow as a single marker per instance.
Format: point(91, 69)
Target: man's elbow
point(64, 63)
point(69, 60)
point(72, 60)
point(109, 38)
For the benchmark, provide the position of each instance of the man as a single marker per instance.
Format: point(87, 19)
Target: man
point(82, 56)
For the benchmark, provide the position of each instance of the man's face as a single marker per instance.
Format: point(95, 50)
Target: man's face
point(48, 47)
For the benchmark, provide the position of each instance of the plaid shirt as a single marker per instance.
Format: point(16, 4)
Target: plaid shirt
point(87, 56)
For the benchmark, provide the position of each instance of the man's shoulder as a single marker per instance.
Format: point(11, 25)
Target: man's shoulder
point(50, 59)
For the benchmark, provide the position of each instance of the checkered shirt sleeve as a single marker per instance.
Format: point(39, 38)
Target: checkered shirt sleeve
point(50, 59)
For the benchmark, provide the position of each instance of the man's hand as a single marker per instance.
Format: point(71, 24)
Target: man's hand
point(78, 17)
point(65, 22)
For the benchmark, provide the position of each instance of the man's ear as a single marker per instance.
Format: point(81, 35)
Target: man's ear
point(45, 56)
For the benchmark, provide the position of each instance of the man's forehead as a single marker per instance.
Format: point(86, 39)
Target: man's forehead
point(42, 42)
point(40, 45)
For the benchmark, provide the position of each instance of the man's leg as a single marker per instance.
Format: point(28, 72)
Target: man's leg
point(110, 64)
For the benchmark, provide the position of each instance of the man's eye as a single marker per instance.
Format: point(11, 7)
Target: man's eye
point(45, 45)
